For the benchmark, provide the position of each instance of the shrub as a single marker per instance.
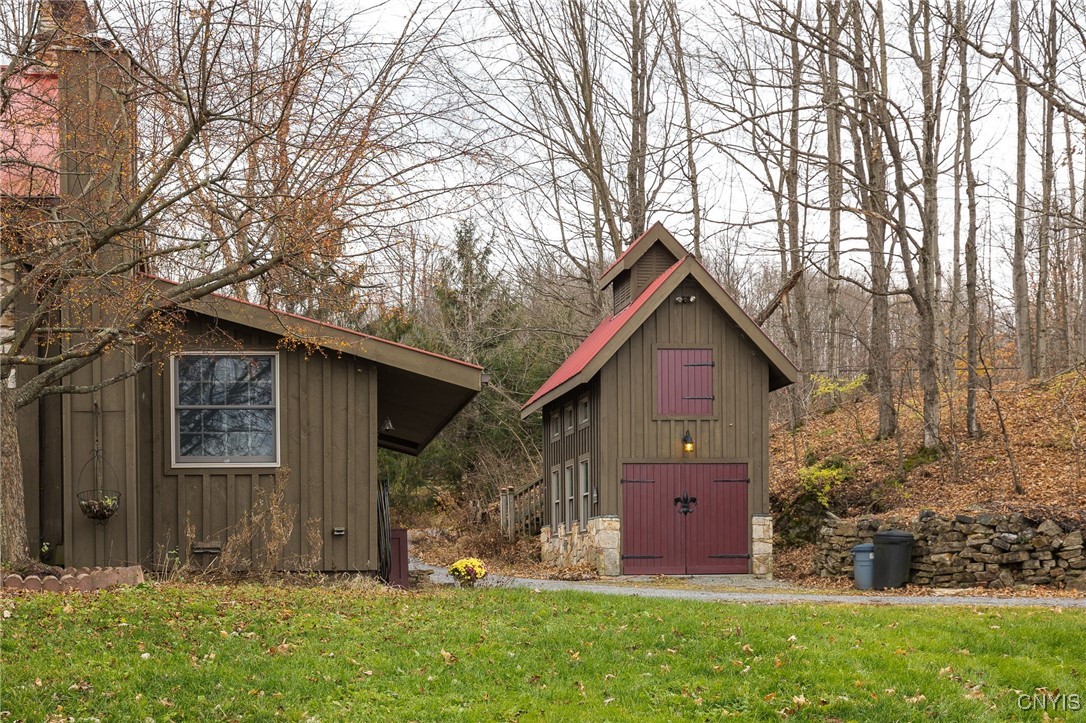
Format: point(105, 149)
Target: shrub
point(820, 479)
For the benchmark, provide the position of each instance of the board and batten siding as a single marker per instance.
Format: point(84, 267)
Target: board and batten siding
point(65, 466)
point(327, 454)
point(630, 428)
point(573, 447)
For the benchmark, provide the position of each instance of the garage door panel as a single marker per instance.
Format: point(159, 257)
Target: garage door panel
point(650, 544)
point(712, 539)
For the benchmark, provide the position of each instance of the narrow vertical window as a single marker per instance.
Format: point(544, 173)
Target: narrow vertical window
point(582, 412)
point(571, 499)
point(570, 421)
point(556, 426)
point(585, 485)
point(556, 497)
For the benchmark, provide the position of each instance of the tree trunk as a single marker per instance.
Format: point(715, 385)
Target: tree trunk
point(639, 119)
point(834, 190)
point(972, 340)
point(796, 250)
point(929, 251)
point(683, 80)
point(14, 548)
point(1018, 265)
point(1048, 173)
point(870, 167)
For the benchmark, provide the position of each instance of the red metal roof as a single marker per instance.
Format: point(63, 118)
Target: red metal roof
point(590, 347)
point(326, 325)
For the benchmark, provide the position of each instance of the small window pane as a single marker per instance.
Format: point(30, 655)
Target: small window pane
point(260, 393)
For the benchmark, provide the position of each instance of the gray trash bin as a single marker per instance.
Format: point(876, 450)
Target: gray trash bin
point(893, 558)
point(863, 562)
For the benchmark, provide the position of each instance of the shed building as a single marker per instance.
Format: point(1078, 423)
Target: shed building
point(656, 428)
point(187, 431)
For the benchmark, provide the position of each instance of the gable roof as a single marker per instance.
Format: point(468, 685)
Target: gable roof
point(419, 390)
point(615, 330)
point(656, 233)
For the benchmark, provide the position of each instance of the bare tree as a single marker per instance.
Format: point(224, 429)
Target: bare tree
point(261, 148)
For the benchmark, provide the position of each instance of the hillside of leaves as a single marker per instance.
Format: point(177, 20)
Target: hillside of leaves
point(832, 461)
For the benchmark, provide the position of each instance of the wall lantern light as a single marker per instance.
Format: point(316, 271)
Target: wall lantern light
point(387, 426)
point(688, 442)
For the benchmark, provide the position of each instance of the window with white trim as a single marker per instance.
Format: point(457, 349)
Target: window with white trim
point(571, 505)
point(224, 409)
point(556, 495)
point(585, 484)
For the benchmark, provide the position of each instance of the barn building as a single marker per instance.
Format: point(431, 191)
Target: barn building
point(656, 428)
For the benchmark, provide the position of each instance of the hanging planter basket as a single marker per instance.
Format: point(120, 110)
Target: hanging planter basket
point(99, 505)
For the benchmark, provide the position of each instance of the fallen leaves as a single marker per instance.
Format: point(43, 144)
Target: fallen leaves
point(448, 657)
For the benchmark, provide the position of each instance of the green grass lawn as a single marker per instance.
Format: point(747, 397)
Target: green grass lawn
point(250, 652)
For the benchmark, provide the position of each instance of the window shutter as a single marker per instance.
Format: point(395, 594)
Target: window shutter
point(685, 382)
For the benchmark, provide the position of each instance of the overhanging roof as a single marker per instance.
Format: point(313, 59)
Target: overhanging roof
point(418, 390)
point(615, 330)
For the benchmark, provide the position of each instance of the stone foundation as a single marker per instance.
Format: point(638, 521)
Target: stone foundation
point(986, 550)
point(761, 552)
point(599, 545)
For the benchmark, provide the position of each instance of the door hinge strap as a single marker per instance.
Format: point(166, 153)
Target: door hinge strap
point(710, 398)
point(642, 557)
point(700, 364)
point(637, 481)
point(719, 557)
point(738, 481)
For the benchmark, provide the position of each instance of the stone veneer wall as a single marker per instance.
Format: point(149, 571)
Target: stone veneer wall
point(598, 545)
point(761, 554)
point(987, 550)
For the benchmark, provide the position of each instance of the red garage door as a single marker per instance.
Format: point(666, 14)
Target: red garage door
point(684, 519)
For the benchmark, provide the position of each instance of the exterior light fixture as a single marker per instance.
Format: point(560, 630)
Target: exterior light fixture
point(688, 442)
point(387, 425)
point(685, 299)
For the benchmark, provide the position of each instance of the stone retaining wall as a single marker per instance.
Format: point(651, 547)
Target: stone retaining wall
point(82, 579)
point(597, 545)
point(985, 550)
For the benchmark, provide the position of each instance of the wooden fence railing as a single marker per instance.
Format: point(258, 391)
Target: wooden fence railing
point(521, 509)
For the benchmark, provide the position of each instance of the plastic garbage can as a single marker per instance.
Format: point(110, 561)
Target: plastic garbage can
point(863, 562)
point(893, 558)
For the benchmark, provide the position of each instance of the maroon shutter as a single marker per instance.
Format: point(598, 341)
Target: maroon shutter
point(684, 384)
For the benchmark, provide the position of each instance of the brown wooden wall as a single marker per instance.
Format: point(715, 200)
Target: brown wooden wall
point(328, 453)
point(571, 447)
point(629, 428)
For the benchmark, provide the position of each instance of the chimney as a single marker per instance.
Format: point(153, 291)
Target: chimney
point(64, 19)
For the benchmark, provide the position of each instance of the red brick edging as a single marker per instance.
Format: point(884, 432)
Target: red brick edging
point(80, 579)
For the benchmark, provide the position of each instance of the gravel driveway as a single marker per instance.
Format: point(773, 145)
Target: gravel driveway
point(743, 589)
